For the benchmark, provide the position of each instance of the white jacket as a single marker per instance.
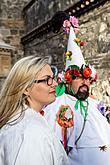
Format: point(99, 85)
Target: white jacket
point(30, 142)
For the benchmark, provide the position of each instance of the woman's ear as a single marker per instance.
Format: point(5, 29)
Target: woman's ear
point(27, 92)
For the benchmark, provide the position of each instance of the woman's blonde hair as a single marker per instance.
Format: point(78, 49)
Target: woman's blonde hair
point(20, 77)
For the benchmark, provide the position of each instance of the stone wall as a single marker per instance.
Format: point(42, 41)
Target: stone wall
point(12, 27)
point(101, 90)
point(95, 28)
point(12, 24)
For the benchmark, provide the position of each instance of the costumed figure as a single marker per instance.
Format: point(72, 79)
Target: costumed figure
point(74, 116)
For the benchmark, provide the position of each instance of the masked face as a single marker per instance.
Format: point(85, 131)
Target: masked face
point(81, 88)
point(82, 94)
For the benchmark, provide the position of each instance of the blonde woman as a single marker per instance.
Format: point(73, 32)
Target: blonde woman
point(25, 137)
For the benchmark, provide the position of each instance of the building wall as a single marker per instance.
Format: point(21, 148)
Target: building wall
point(38, 12)
point(95, 27)
point(12, 27)
point(12, 24)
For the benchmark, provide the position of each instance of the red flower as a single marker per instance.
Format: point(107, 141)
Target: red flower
point(68, 76)
point(76, 72)
point(81, 43)
point(87, 72)
point(68, 53)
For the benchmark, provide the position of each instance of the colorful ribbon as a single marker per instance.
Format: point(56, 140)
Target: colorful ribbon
point(83, 108)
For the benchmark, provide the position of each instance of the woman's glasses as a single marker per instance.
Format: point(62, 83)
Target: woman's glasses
point(48, 80)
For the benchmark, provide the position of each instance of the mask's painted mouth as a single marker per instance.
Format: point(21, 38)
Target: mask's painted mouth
point(82, 93)
point(83, 88)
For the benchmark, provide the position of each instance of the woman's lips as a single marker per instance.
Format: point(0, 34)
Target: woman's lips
point(52, 91)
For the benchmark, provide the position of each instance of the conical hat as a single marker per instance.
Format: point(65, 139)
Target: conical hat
point(74, 61)
point(76, 57)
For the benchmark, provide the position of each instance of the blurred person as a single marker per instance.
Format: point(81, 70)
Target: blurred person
point(25, 136)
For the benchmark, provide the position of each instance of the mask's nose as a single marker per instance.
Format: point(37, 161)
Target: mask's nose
point(86, 82)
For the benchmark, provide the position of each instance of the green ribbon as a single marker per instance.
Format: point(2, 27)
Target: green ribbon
point(71, 88)
point(83, 108)
point(60, 89)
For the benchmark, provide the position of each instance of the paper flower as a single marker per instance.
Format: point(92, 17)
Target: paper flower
point(68, 76)
point(87, 72)
point(101, 107)
point(82, 43)
point(66, 26)
point(68, 55)
point(76, 72)
point(60, 77)
point(65, 116)
point(79, 42)
point(94, 75)
point(73, 21)
point(66, 23)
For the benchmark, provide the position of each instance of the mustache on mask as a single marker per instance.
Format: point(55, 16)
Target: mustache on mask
point(82, 95)
point(83, 86)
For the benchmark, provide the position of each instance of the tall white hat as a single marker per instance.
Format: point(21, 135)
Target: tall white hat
point(76, 57)
point(73, 57)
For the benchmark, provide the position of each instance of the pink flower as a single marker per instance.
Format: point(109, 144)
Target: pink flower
point(66, 23)
point(66, 26)
point(75, 30)
point(67, 30)
point(60, 77)
point(74, 21)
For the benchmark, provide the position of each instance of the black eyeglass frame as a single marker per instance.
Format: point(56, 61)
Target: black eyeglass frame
point(46, 80)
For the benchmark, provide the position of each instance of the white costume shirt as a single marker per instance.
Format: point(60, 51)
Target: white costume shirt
point(30, 142)
point(96, 133)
